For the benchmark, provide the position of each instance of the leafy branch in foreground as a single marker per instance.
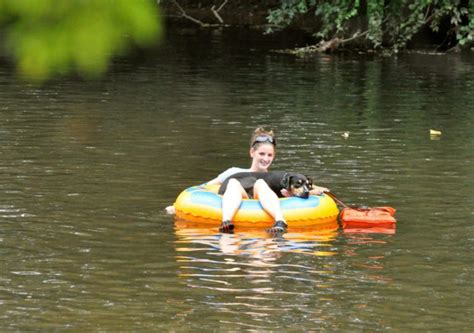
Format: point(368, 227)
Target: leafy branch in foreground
point(47, 37)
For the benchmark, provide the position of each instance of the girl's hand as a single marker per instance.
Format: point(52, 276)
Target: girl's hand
point(318, 190)
point(170, 210)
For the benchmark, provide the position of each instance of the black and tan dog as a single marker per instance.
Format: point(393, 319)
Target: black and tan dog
point(295, 184)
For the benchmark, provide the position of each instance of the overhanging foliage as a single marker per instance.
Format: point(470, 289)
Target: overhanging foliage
point(385, 24)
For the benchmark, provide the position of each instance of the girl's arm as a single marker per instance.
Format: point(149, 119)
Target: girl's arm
point(318, 190)
point(170, 210)
point(214, 181)
point(218, 180)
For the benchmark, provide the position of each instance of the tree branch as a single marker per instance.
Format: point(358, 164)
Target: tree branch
point(334, 42)
point(323, 45)
point(183, 13)
point(216, 11)
point(222, 5)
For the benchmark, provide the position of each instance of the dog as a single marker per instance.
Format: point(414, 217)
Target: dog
point(295, 184)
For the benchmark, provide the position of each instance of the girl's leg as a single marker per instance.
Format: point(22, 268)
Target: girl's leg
point(231, 200)
point(271, 204)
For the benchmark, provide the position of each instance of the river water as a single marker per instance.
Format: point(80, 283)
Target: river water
point(87, 168)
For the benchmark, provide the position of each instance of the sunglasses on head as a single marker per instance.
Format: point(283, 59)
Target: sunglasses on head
point(264, 139)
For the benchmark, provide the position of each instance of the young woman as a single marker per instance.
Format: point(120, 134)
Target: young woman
point(262, 151)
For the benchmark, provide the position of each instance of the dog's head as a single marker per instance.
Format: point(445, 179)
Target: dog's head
point(297, 185)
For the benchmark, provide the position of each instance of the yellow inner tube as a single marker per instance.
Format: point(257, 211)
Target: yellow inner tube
point(201, 204)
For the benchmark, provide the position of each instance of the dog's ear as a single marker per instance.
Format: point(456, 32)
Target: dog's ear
point(310, 182)
point(285, 181)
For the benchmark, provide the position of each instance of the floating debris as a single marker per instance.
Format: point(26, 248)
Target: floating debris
point(435, 132)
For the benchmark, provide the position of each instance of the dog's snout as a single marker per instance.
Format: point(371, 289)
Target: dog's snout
point(305, 193)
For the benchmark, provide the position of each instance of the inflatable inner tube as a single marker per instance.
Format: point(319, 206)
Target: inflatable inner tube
point(201, 204)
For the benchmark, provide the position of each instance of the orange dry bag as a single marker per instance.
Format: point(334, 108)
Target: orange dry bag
point(365, 217)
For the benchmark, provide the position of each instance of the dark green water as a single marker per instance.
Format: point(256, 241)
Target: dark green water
point(87, 168)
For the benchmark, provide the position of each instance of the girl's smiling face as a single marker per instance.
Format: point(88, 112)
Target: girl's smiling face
point(262, 157)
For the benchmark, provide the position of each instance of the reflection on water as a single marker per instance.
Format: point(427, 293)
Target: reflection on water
point(258, 244)
point(388, 230)
point(257, 278)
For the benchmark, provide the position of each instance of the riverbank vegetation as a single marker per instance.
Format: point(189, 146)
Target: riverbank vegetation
point(369, 25)
point(382, 25)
